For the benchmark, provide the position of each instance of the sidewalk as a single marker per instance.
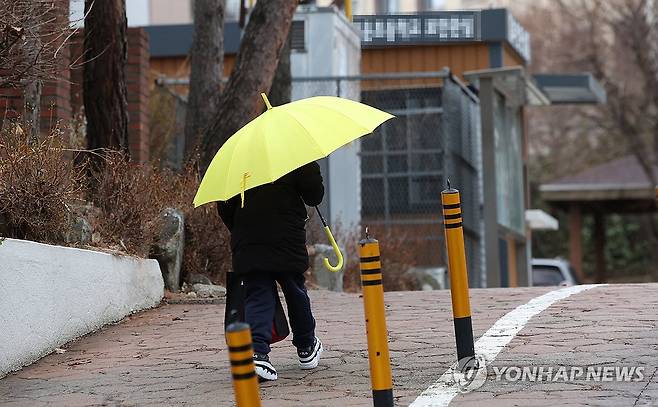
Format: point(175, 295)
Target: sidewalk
point(176, 355)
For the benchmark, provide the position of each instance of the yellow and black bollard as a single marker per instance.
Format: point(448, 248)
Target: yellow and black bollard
point(373, 303)
point(461, 307)
point(241, 353)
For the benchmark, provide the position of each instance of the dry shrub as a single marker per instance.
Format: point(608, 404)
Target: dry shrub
point(38, 182)
point(396, 254)
point(42, 189)
point(207, 244)
point(131, 198)
point(128, 216)
point(207, 241)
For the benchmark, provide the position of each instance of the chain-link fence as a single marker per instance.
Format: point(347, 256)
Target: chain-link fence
point(407, 162)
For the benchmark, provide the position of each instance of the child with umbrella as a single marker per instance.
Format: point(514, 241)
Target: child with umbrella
point(268, 242)
point(262, 177)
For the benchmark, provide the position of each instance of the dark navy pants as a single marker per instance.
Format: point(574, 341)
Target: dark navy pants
point(260, 288)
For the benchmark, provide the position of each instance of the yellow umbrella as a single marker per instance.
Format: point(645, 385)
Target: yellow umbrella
point(283, 139)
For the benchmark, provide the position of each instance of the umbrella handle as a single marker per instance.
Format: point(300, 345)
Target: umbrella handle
point(328, 265)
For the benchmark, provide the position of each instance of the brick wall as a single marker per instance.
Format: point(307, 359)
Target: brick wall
point(55, 94)
point(137, 84)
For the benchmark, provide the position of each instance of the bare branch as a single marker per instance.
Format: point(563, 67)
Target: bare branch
point(28, 22)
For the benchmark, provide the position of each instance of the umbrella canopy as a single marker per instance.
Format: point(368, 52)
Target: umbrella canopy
point(283, 139)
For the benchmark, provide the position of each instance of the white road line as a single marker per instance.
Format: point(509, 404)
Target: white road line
point(493, 341)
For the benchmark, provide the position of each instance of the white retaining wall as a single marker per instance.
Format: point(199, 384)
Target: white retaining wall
point(50, 295)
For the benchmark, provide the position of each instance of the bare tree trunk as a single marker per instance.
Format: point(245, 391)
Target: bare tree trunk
point(207, 57)
point(254, 69)
point(33, 107)
point(281, 90)
point(104, 84)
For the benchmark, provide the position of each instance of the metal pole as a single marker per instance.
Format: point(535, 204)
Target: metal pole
point(461, 307)
point(489, 197)
point(373, 303)
point(245, 382)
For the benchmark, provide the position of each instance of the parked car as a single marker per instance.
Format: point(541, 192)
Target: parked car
point(550, 272)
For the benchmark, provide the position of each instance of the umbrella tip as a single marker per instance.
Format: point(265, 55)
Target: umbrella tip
point(266, 100)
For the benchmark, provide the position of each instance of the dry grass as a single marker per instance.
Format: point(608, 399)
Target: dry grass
point(38, 184)
point(132, 197)
point(128, 216)
point(42, 190)
point(207, 241)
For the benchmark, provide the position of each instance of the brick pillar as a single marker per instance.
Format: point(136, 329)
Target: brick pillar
point(76, 46)
point(137, 83)
point(56, 93)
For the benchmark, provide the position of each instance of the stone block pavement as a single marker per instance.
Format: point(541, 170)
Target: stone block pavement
point(175, 354)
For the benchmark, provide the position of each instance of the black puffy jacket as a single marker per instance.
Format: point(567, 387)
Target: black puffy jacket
point(269, 233)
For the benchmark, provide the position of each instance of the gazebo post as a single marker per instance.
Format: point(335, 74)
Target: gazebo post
point(599, 246)
point(576, 240)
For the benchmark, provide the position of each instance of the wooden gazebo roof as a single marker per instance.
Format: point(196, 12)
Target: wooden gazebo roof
point(616, 186)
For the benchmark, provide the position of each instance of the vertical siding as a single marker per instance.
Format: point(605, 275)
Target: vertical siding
point(179, 67)
point(510, 57)
point(423, 58)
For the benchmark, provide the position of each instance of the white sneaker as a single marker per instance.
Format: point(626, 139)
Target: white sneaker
point(264, 368)
point(310, 357)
